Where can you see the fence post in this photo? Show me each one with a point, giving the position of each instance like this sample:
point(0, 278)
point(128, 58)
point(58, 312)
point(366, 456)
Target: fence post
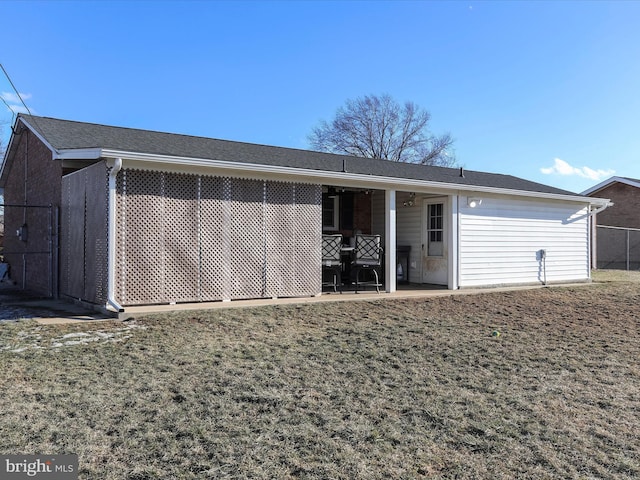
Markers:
point(628, 250)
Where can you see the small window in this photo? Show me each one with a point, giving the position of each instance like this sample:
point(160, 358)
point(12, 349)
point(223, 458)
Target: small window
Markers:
point(435, 230)
point(330, 212)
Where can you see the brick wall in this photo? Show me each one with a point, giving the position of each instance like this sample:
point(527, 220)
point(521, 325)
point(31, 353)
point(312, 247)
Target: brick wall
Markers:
point(362, 212)
point(626, 211)
point(33, 179)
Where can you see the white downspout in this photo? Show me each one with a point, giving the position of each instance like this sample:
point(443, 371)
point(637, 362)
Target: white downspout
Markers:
point(600, 208)
point(111, 266)
point(593, 238)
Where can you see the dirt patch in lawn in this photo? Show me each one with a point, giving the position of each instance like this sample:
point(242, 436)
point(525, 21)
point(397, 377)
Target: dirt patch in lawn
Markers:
point(542, 383)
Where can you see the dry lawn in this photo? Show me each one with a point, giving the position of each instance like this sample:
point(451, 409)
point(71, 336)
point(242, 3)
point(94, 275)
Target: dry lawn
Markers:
point(365, 390)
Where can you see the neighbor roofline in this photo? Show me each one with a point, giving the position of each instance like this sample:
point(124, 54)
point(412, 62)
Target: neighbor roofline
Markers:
point(147, 160)
point(9, 149)
point(609, 181)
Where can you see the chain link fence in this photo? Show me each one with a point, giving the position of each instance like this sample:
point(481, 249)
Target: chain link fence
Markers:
point(618, 248)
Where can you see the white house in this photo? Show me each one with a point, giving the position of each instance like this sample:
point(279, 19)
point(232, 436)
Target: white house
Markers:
point(142, 217)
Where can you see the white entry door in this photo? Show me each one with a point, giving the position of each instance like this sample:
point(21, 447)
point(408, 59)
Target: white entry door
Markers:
point(435, 244)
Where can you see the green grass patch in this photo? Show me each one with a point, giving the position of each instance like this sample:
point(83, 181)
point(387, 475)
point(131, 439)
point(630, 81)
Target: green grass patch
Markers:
point(401, 389)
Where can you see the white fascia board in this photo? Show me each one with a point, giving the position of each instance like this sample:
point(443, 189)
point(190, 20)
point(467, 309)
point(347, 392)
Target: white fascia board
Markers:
point(54, 152)
point(357, 180)
point(78, 154)
point(7, 152)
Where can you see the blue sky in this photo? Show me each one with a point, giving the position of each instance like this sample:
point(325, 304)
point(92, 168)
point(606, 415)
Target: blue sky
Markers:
point(547, 91)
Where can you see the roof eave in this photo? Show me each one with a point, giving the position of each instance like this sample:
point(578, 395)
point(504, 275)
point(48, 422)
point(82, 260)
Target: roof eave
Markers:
point(10, 147)
point(9, 150)
point(146, 160)
point(78, 154)
point(610, 181)
point(39, 135)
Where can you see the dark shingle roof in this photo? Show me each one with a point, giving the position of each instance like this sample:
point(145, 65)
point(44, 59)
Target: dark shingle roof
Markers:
point(65, 135)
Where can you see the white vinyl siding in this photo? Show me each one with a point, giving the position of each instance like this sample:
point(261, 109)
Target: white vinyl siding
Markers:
point(501, 240)
point(409, 232)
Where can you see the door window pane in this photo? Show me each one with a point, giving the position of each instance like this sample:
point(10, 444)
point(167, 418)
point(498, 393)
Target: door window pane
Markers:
point(435, 231)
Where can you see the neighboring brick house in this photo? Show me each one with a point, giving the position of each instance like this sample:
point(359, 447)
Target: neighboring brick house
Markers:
point(612, 244)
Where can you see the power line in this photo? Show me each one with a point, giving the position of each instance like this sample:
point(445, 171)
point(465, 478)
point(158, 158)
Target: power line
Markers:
point(13, 114)
point(4, 101)
point(15, 90)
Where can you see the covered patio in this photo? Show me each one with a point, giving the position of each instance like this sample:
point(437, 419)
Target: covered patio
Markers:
point(413, 229)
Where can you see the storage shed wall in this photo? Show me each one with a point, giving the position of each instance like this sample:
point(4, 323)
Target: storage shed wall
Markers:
point(186, 238)
point(501, 242)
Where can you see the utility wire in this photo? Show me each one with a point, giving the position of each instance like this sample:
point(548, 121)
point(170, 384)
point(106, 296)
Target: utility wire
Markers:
point(13, 114)
point(15, 90)
point(5, 102)
point(21, 101)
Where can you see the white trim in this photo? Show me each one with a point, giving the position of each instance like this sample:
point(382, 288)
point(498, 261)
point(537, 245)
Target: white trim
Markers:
point(111, 229)
point(160, 162)
point(600, 208)
point(78, 154)
point(40, 137)
point(390, 276)
point(437, 269)
point(454, 242)
point(336, 215)
point(7, 152)
point(444, 232)
point(610, 181)
point(592, 242)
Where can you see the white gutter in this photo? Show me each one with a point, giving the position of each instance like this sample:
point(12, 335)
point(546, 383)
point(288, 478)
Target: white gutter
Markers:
point(146, 161)
point(111, 262)
point(601, 207)
point(78, 154)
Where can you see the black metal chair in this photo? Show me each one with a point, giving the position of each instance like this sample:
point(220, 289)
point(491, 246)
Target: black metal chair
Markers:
point(367, 256)
point(332, 261)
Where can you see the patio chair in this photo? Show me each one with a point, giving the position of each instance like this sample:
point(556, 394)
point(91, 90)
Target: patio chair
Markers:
point(331, 260)
point(368, 257)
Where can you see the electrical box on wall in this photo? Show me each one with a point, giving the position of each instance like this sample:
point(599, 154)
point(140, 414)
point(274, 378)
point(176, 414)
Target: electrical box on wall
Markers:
point(22, 233)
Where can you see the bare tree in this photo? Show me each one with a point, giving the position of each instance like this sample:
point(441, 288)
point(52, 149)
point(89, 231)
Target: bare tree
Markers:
point(379, 127)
